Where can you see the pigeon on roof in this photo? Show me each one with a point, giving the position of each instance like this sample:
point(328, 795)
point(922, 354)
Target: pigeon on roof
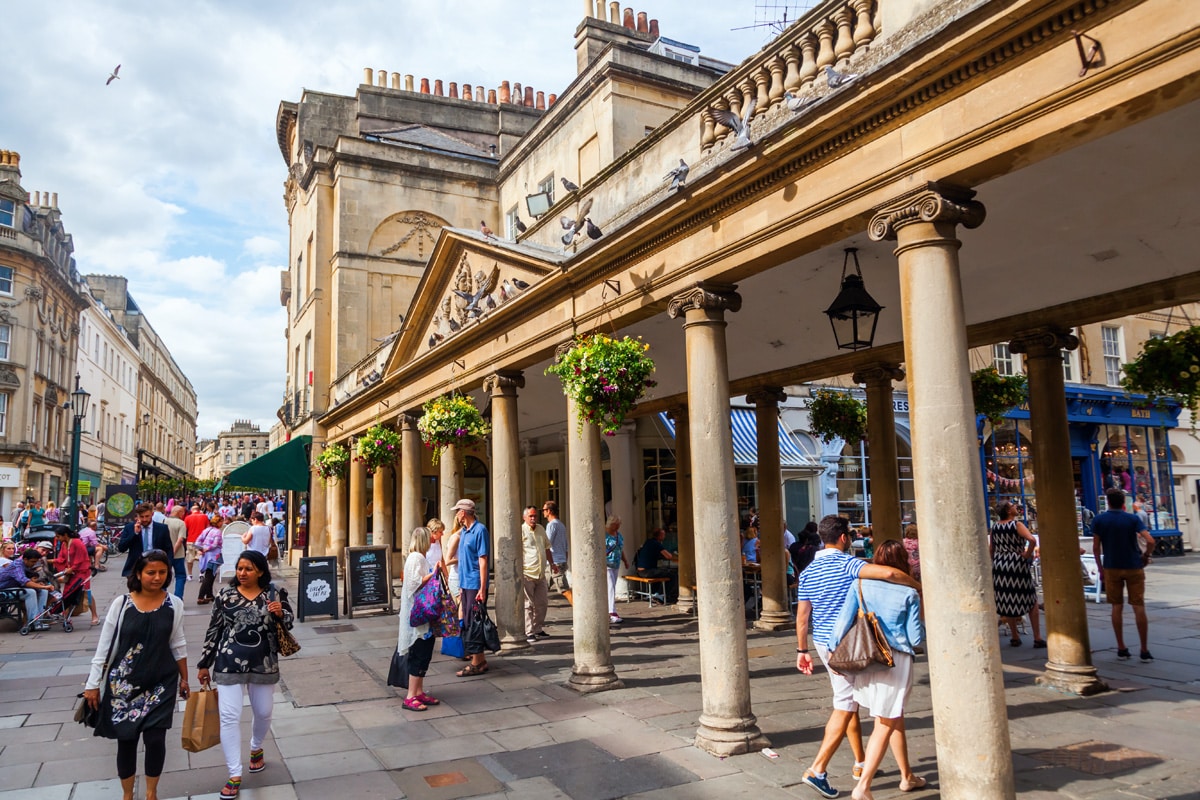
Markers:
point(486, 231)
point(520, 226)
point(570, 187)
point(740, 126)
point(677, 176)
point(836, 79)
point(593, 231)
point(795, 103)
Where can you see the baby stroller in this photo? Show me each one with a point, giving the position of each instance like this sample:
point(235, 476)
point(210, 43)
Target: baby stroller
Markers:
point(62, 605)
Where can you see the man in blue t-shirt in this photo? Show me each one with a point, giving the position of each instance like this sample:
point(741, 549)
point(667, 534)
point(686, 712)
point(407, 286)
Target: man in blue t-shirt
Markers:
point(820, 595)
point(1122, 547)
point(472, 577)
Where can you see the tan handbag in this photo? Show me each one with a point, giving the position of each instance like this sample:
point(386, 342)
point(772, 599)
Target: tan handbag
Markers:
point(863, 645)
point(201, 721)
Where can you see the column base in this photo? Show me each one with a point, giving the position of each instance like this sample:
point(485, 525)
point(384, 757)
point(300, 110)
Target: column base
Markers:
point(587, 680)
point(774, 621)
point(686, 604)
point(1076, 680)
point(509, 644)
point(729, 737)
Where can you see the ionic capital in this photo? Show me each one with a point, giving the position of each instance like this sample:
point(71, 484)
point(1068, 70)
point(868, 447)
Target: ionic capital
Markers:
point(408, 420)
point(933, 202)
point(1043, 342)
point(705, 297)
point(766, 396)
point(678, 414)
point(879, 374)
point(504, 382)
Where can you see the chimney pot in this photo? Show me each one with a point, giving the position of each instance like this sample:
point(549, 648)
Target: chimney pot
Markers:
point(551, 100)
point(480, 94)
point(408, 82)
point(541, 101)
point(627, 21)
point(589, 8)
point(368, 75)
point(466, 91)
point(504, 92)
point(642, 27)
point(518, 97)
point(395, 80)
point(424, 85)
point(654, 28)
point(454, 90)
point(437, 87)
point(54, 200)
point(529, 96)
point(491, 95)
point(381, 78)
point(614, 12)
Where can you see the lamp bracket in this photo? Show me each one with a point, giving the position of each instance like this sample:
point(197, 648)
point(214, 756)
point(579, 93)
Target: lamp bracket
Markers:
point(611, 284)
point(1094, 56)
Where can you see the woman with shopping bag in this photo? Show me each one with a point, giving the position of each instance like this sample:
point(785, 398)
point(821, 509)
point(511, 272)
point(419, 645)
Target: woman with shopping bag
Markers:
point(139, 667)
point(241, 648)
point(414, 645)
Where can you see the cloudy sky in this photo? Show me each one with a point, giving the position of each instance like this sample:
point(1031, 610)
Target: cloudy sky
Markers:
point(171, 175)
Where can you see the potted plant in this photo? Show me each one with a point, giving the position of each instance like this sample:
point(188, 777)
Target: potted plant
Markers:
point(837, 415)
point(1168, 368)
point(996, 394)
point(378, 447)
point(605, 376)
point(332, 464)
point(451, 419)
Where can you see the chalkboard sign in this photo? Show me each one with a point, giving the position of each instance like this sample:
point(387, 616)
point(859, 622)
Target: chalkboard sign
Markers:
point(318, 589)
point(368, 579)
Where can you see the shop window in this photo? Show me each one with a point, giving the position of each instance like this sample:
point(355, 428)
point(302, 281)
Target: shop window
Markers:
point(1137, 460)
point(854, 483)
point(1008, 470)
point(658, 478)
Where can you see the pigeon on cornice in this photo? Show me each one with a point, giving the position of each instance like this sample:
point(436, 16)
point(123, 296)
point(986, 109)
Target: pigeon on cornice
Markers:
point(570, 187)
point(739, 125)
point(836, 79)
point(677, 176)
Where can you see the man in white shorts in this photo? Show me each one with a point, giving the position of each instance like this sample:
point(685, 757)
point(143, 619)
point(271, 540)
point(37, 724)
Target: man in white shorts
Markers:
point(821, 593)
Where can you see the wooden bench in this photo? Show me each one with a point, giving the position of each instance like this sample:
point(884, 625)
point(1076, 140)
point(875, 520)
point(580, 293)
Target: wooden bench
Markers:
point(648, 588)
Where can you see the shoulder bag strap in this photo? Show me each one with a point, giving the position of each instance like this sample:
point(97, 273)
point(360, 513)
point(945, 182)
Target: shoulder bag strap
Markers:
point(112, 645)
point(862, 604)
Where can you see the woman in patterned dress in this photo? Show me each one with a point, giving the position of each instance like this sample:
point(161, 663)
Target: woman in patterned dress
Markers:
point(148, 666)
point(1012, 549)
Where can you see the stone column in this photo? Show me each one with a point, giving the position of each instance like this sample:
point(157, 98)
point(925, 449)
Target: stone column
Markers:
point(881, 441)
point(727, 726)
point(1069, 668)
point(593, 670)
point(450, 467)
point(318, 520)
point(335, 496)
point(620, 452)
point(776, 613)
point(508, 557)
point(358, 502)
point(411, 508)
point(383, 486)
point(973, 746)
point(683, 510)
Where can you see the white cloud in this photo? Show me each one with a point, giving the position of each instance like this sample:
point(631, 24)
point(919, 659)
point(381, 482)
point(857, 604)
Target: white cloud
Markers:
point(262, 246)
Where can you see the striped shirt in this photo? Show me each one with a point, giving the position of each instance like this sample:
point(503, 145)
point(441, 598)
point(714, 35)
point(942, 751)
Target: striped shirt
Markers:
point(824, 583)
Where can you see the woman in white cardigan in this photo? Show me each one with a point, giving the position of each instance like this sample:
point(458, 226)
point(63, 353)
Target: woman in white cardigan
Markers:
point(417, 642)
point(139, 667)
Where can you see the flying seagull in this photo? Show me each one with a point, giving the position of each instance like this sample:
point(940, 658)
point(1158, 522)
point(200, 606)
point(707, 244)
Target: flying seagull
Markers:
point(485, 230)
point(570, 187)
point(836, 79)
point(677, 176)
point(795, 103)
point(740, 126)
point(114, 76)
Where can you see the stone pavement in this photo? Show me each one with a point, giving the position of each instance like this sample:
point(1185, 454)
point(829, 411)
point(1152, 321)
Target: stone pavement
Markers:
point(518, 732)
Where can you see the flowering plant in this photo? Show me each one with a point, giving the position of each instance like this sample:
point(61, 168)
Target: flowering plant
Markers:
point(451, 419)
point(995, 394)
point(378, 447)
point(1168, 368)
point(837, 415)
point(332, 464)
point(605, 377)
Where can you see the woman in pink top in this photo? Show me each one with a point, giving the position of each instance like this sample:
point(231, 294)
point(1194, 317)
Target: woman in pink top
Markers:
point(914, 552)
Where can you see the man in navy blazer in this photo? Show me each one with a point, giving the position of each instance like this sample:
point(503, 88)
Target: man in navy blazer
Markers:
point(134, 537)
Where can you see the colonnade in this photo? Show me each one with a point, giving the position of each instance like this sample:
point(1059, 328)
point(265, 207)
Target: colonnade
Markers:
point(972, 738)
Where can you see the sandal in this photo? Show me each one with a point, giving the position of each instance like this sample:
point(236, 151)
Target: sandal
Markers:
point(413, 704)
point(1015, 641)
point(427, 700)
point(471, 669)
point(1039, 644)
point(258, 760)
point(917, 782)
point(231, 789)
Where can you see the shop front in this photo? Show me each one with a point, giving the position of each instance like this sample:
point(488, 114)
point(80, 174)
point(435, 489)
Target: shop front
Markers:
point(1118, 441)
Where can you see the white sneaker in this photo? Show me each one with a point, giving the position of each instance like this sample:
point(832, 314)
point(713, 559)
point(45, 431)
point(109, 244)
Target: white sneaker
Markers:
point(614, 619)
point(190, 578)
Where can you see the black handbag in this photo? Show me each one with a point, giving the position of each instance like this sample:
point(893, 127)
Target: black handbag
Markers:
point(85, 715)
point(398, 671)
point(863, 645)
point(481, 633)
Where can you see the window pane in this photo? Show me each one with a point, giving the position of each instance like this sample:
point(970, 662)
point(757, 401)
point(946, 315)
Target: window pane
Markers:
point(5, 338)
point(8, 211)
point(6, 280)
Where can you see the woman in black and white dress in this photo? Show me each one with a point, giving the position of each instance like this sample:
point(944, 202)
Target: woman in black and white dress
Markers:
point(1012, 549)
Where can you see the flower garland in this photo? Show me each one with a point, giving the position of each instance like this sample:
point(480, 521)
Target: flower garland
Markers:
point(996, 394)
point(1168, 368)
point(332, 464)
point(837, 415)
point(605, 377)
point(378, 447)
point(451, 419)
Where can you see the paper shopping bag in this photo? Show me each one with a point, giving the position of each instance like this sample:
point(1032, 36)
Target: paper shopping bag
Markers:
point(201, 721)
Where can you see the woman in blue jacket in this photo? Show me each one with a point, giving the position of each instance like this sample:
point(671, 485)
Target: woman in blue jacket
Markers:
point(881, 689)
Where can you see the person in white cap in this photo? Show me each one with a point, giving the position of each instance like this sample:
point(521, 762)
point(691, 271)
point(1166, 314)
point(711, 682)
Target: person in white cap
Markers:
point(472, 576)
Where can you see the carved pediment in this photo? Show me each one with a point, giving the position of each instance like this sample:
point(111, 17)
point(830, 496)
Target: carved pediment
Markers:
point(9, 379)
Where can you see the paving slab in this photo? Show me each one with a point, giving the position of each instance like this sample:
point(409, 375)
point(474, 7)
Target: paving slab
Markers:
point(446, 780)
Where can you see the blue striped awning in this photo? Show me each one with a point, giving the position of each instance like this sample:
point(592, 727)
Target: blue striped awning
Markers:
point(744, 423)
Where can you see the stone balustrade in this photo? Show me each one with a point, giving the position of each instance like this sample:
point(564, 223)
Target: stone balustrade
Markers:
point(829, 35)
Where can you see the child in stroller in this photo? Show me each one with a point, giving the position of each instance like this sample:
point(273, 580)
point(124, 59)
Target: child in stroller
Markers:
point(74, 572)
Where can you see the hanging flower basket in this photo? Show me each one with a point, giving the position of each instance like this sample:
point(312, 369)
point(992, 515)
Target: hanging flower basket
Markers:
point(451, 419)
point(605, 377)
point(378, 447)
point(332, 464)
point(995, 394)
point(837, 415)
point(1168, 368)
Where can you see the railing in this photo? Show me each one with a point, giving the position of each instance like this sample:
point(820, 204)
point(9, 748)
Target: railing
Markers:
point(7, 233)
point(827, 36)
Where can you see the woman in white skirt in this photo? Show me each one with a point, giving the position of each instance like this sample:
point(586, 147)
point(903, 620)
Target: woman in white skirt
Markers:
point(881, 689)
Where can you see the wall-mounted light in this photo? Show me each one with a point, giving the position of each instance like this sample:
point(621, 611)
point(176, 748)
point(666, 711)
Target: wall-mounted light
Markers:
point(853, 313)
point(538, 204)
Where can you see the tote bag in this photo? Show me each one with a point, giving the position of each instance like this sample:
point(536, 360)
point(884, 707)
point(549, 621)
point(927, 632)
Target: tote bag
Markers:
point(863, 645)
point(201, 721)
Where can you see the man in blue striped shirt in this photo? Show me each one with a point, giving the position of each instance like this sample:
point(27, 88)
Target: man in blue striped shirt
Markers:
point(820, 595)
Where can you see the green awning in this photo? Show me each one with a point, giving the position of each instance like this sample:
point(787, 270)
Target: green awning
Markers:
point(285, 467)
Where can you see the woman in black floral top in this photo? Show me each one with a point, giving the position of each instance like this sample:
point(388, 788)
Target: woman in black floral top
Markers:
point(241, 649)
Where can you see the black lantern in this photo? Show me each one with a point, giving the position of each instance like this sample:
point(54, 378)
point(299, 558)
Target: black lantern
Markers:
point(854, 313)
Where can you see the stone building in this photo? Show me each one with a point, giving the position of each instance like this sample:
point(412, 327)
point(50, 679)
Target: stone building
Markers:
point(207, 460)
point(241, 444)
point(41, 296)
point(984, 127)
point(166, 399)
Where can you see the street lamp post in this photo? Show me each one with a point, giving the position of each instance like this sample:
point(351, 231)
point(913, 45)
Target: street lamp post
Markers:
point(79, 405)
